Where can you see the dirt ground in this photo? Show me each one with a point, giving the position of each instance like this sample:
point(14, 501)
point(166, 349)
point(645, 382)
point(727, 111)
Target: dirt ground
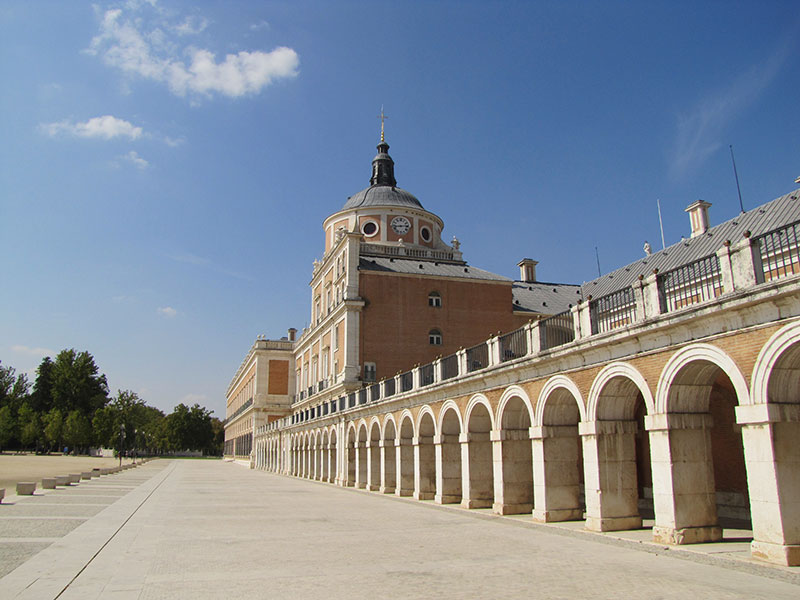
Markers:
point(30, 467)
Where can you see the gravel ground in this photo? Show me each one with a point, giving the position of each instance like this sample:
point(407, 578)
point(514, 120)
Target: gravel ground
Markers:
point(30, 467)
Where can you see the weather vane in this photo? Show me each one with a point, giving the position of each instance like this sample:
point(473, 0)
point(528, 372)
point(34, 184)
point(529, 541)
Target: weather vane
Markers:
point(382, 117)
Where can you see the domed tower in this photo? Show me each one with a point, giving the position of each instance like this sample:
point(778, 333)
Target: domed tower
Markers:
point(388, 216)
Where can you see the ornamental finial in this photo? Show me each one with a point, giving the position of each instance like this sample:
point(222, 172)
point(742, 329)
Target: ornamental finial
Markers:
point(382, 117)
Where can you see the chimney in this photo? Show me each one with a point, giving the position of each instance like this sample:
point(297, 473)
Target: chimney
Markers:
point(527, 270)
point(698, 217)
point(292, 334)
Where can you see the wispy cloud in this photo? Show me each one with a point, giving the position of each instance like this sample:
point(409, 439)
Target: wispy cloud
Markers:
point(147, 44)
point(35, 351)
point(205, 263)
point(136, 160)
point(106, 127)
point(700, 131)
point(260, 25)
point(167, 311)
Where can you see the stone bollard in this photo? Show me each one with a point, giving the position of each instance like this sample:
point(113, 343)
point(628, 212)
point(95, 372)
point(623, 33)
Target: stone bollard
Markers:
point(74, 477)
point(25, 488)
point(86, 475)
point(2, 494)
point(62, 479)
point(48, 483)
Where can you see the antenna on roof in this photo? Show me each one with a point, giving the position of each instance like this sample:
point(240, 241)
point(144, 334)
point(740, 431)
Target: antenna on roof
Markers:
point(738, 189)
point(597, 256)
point(660, 223)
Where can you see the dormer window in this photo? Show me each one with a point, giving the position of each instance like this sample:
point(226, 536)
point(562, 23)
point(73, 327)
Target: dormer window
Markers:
point(435, 300)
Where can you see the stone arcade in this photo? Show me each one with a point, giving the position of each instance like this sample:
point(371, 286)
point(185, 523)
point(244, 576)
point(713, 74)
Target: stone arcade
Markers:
point(666, 390)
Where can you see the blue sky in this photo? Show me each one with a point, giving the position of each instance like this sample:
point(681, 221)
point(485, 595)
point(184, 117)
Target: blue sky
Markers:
point(166, 166)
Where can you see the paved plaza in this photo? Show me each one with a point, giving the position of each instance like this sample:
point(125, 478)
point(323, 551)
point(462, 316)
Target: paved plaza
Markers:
point(200, 529)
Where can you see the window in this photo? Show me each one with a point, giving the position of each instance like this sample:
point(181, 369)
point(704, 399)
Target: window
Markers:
point(369, 371)
point(336, 337)
point(425, 234)
point(435, 300)
point(435, 337)
point(369, 228)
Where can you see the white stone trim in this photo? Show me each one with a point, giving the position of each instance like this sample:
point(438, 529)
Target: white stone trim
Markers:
point(473, 402)
point(611, 371)
point(697, 352)
point(426, 409)
point(449, 404)
point(770, 354)
point(554, 383)
point(514, 391)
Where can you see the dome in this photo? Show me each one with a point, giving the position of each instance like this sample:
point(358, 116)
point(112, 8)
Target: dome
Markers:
point(382, 195)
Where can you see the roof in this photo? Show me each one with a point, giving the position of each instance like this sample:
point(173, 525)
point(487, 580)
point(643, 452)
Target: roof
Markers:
point(760, 220)
point(544, 298)
point(382, 195)
point(410, 266)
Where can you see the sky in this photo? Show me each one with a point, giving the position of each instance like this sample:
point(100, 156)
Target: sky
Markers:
point(166, 166)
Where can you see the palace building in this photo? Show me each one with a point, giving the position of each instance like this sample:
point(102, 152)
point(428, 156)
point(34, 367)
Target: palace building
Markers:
point(664, 395)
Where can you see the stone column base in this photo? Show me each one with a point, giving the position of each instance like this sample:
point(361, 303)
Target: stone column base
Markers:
point(386, 489)
point(787, 555)
point(511, 509)
point(476, 503)
point(687, 535)
point(613, 523)
point(423, 495)
point(373, 488)
point(404, 492)
point(554, 516)
point(447, 499)
point(360, 485)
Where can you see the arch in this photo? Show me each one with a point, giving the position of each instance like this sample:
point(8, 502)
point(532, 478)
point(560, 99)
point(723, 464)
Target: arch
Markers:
point(475, 401)
point(425, 410)
point(554, 384)
point(406, 417)
point(388, 456)
point(698, 353)
point(406, 432)
point(782, 347)
point(389, 419)
point(449, 405)
point(610, 372)
point(514, 391)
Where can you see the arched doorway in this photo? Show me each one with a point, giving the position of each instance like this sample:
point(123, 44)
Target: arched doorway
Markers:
point(448, 448)
point(374, 457)
point(478, 480)
point(425, 459)
point(514, 486)
point(389, 458)
point(405, 457)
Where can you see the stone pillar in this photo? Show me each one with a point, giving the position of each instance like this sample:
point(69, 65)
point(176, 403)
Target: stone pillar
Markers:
point(388, 467)
point(404, 455)
point(373, 466)
point(448, 469)
point(609, 459)
point(650, 296)
point(513, 472)
point(772, 455)
point(684, 496)
point(582, 320)
point(424, 464)
point(475, 470)
point(556, 474)
point(534, 338)
point(746, 267)
point(361, 465)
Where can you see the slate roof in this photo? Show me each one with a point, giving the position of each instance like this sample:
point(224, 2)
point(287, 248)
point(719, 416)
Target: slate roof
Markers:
point(382, 195)
point(410, 266)
point(772, 215)
point(540, 297)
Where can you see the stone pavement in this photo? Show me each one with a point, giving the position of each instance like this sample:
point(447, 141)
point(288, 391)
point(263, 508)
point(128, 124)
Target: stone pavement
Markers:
point(211, 529)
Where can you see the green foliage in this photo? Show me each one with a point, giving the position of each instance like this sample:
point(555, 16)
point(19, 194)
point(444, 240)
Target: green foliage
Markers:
point(76, 384)
point(77, 430)
point(13, 388)
point(30, 426)
point(42, 397)
point(190, 428)
point(8, 425)
point(54, 428)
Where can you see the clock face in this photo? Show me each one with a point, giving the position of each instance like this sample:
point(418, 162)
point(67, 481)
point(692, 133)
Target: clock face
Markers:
point(401, 225)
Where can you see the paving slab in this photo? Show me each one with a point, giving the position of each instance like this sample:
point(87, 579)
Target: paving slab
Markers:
point(210, 529)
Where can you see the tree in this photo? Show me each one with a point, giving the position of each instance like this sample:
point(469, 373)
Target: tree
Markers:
point(13, 388)
point(30, 426)
point(42, 397)
point(77, 430)
point(54, 428)
point(190, 428)
point(76, 384)
point(8, 426)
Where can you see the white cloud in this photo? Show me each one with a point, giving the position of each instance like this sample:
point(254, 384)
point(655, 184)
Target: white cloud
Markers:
point(700, 131)
point(260, 25)
point(147, 50)
point(166, 311)
point(106, 127)
point(36, 351)
point(134, 158)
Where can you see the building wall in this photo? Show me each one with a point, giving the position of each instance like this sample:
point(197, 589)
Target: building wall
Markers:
point(397, 318)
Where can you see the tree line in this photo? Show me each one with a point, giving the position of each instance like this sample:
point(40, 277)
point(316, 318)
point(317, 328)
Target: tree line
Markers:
point(68, 406)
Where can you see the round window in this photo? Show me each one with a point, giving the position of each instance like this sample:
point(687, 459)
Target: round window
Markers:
point(369, 228)
point(425, 234)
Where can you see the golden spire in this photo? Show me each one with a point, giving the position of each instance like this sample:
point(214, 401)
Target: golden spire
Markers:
point(382, 117)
